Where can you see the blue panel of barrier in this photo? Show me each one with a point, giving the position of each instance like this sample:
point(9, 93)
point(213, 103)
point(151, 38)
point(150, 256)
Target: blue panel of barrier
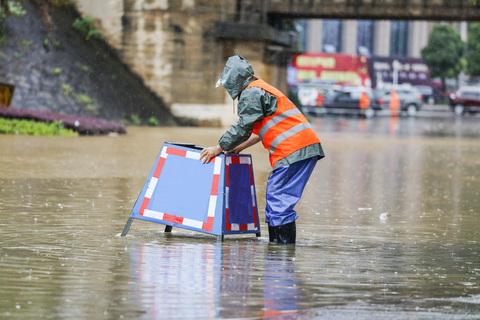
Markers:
point(216, 198)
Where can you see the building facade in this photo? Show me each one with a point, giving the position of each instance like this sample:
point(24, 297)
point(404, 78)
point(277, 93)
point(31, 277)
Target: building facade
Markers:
point(371, 37)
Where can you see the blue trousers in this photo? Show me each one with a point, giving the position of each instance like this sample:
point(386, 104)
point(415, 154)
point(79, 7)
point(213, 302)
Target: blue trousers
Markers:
point(284, 189)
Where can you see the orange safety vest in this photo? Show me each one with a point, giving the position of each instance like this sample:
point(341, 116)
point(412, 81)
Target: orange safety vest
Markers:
point(287, 130)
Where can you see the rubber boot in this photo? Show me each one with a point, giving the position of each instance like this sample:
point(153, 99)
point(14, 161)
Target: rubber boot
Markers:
point(271, 233)
point(286, 234)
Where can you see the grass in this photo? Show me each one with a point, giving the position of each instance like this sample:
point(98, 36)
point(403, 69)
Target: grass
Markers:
point(31, 127)
point(67, 89)
point(87, 102)
point(57, 71)
point(86, 26)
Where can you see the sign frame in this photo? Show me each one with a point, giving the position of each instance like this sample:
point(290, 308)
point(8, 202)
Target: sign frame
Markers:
point(216, 198)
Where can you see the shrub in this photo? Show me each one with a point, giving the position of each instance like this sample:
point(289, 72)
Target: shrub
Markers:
point(83, 67)
point(153, 121)
point(87, 27)
point(81, 98)
point(15, 8)
point(86, 102)
point(57, 71)
point(135, 119)
point(31, 127)
point(82, 125)
point(67, 89)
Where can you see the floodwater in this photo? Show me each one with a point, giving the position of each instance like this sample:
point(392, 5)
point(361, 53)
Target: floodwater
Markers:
point(388, 229)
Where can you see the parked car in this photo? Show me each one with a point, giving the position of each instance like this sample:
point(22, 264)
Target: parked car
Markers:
point(312, 94)
point(346, 99)
point(411, 100)
point(465, 99)
point(429, 95)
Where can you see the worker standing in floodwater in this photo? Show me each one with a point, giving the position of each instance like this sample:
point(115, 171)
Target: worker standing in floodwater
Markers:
point(267, 115)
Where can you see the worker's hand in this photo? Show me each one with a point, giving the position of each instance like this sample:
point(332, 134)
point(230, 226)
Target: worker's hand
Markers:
point(208, 153)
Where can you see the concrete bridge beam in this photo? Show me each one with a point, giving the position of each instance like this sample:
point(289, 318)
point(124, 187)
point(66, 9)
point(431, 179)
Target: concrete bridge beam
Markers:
point(439, 10)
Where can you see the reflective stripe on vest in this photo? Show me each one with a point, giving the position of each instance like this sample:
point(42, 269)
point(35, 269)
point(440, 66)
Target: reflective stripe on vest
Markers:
point(287, 134)
point(277, 119)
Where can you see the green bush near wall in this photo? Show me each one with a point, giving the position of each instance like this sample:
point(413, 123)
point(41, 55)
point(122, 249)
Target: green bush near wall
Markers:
point(30, 127)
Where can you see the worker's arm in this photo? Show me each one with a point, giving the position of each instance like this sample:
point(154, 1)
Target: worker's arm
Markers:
point(254, 139)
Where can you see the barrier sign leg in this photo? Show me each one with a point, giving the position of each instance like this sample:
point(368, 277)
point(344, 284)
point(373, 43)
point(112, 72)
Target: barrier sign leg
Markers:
point(127, 227)
point(216, 198)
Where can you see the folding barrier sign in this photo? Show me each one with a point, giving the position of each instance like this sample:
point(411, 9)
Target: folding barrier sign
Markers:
point(216, 197)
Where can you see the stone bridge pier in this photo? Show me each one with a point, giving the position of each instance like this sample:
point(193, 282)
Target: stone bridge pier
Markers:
point(179, 48)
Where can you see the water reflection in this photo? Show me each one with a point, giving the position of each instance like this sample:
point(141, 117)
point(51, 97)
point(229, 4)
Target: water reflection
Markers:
point(177, 275)
point(282, 293)
point(234, 279)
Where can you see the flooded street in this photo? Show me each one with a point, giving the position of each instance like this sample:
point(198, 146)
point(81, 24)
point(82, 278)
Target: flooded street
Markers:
point(388, 229)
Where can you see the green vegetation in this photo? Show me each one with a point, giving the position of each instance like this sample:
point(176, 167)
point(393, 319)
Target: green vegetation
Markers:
point(83, 67)
point(7, 9)
point(135, 120)
point(27, 43)
point(57, 71)
point(152, 121)
point(86, 26)
point(48, 43)
point(81, 98)
point(30, 127)
point(473, 50)
point(443, 53)
point(15, 8)
point(86, 102)
point(67, 89)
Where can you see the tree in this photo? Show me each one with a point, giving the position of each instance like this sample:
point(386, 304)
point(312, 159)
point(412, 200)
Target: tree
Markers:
point(443, 53)
point(473, 50)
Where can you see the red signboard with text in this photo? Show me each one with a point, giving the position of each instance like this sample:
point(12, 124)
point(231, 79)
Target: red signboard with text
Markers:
point(339, 68)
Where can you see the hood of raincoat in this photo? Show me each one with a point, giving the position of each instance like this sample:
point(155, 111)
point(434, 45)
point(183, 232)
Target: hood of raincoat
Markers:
point(236, 75)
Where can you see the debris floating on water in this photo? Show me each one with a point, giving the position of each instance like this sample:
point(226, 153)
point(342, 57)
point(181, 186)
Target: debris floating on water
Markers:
point(384, 216)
